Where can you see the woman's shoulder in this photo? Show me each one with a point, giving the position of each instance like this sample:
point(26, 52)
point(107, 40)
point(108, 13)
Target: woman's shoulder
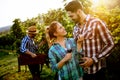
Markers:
point(53, 46)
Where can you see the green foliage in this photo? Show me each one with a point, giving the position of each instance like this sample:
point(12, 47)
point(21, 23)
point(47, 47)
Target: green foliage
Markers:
point(16, 30)
point(3, 53)
point(114, 23)
point(9, 70)
point(6, 40)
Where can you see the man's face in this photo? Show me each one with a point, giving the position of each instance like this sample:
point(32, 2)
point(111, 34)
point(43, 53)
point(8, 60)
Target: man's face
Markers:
point(32, 35)
point(74, 16)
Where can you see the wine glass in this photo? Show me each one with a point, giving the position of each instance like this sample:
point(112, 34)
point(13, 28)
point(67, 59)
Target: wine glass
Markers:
point(69, 50)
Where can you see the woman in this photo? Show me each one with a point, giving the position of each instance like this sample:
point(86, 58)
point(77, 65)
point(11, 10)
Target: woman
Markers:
point(63, 54)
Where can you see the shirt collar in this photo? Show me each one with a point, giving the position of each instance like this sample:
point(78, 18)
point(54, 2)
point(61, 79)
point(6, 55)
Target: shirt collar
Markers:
point(29, 37)
point(86, 19)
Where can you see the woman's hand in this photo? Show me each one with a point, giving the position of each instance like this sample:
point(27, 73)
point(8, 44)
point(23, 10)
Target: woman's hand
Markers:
point(67, 57)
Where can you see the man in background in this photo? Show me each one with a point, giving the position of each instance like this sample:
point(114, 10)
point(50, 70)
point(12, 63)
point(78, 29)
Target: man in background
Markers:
point(29, 47)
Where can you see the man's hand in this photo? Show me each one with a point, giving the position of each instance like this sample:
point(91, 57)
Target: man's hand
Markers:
point(33, 55)
point(80, 38)
point(88, 62)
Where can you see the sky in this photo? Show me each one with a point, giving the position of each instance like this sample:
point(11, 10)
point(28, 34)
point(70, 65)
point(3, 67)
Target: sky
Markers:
point(25, 9)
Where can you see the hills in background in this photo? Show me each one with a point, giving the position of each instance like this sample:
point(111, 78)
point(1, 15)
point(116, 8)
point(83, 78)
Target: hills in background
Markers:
point(5, 28)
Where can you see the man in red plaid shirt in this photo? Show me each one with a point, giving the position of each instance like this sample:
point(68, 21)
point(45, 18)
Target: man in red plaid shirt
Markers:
point(96, 40)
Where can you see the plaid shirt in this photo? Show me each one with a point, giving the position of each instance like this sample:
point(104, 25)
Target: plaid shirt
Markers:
point(71, 69)
point(28, 44)
point(97, 42)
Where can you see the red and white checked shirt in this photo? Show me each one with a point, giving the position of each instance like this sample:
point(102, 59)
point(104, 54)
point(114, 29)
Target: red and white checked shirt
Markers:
point(97, 42)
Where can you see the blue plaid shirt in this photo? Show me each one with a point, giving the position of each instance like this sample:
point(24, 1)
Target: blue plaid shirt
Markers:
point(28, 44)
point(71, 70)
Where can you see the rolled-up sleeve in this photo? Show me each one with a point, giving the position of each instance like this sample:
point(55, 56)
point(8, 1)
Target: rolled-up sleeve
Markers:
point(23, 48)
point(53, 61)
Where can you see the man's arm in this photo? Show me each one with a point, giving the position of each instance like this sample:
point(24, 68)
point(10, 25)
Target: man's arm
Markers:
point(24, 50)
point(106, 38)
point(30, 53)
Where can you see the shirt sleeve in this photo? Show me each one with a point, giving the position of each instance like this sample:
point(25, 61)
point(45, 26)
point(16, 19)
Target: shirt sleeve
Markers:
point(53, 60)
point(23, 48)
point(106, 39)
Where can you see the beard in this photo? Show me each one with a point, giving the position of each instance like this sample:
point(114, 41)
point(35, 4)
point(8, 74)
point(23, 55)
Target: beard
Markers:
point(33, 35)
point(77, 20)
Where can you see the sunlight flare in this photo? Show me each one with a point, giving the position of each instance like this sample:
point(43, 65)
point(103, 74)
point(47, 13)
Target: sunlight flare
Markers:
point(95, 2)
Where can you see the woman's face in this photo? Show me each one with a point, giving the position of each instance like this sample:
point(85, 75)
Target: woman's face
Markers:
point(60, 31)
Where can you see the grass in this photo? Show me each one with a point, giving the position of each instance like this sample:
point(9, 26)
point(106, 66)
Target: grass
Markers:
point(9, 70)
